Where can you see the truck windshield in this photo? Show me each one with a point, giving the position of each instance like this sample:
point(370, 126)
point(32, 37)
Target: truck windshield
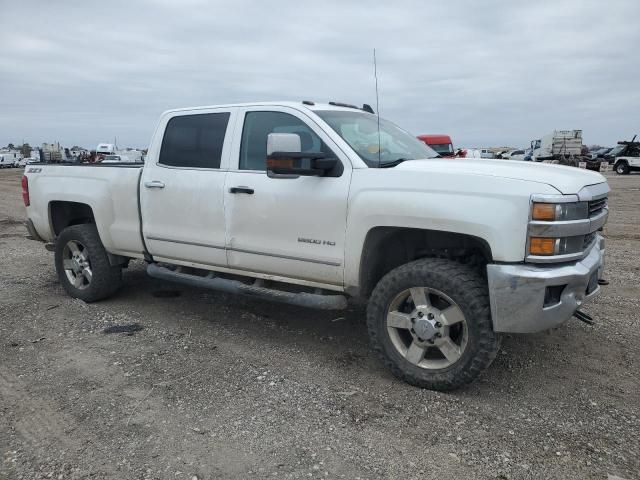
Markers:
point(360, 131)
point(442, 148)
point(617, 150)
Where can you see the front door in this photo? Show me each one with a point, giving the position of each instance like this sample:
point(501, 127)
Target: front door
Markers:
point(182, 192)
point(290, 227)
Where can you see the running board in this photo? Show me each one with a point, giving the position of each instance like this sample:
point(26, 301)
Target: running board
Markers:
point(311, 300)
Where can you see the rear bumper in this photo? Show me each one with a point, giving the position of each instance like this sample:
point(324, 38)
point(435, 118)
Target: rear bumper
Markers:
point(522, 302)
point(33, 233)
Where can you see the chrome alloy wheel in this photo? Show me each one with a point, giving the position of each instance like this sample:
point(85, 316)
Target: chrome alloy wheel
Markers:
point(427, 328)
point(76, 264)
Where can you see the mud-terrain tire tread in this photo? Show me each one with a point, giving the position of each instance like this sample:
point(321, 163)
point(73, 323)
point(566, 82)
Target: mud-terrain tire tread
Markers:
point(106, 279)
point(468, 289)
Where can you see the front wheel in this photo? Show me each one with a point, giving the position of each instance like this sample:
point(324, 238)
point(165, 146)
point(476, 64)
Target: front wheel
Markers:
point(83, 265)
point(430, 321)
point(622, 168)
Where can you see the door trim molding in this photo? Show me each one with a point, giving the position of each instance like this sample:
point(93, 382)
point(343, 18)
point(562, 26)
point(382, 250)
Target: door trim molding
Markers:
point(183, 242)
point(251, 252)
point(286, 257)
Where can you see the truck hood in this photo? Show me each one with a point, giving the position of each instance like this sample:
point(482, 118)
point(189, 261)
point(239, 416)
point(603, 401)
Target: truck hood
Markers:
point(567, 180)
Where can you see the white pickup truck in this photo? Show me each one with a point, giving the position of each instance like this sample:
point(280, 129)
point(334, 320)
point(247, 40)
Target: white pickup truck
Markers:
point(310, 203)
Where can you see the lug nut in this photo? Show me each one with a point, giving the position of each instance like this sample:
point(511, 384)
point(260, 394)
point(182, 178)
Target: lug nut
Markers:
point(420, 314)
point(413, 320)
point(413, 331)
point(430, 341)
point(430, 316)
point(437, 335)
point(438, 324)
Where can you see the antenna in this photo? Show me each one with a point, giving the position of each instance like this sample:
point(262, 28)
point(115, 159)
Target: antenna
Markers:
point(375, 75)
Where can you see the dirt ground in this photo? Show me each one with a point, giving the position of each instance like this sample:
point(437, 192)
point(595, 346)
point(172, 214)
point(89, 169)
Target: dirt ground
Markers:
point(219, 386)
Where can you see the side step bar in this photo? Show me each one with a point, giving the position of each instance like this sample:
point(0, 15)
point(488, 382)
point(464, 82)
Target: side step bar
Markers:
point(311, 300)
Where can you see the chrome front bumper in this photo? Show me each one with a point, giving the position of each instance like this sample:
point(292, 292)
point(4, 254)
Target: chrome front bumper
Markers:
point(521, 301)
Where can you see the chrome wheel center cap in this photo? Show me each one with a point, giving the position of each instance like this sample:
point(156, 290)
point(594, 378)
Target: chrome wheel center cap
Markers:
point(425, 329)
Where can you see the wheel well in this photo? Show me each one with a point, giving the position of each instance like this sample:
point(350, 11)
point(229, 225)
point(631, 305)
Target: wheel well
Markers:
point(65, 214)
point(386, 248)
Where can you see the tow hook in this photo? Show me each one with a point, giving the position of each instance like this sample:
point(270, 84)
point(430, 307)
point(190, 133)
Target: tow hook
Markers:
point(583, 317)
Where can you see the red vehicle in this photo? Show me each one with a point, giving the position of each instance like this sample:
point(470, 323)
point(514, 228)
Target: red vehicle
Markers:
point(441, 144)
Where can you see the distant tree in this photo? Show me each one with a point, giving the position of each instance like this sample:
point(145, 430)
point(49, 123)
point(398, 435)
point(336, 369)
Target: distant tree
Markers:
point(25, 150)
point(10, 146)
point(76, 147)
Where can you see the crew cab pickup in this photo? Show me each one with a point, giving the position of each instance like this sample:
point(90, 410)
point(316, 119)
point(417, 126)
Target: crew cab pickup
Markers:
point(311, 203)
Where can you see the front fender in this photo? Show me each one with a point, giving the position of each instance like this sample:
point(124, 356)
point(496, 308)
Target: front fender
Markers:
point(493, 209)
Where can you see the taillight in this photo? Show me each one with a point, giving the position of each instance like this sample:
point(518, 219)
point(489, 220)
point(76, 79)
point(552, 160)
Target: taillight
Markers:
point(25, 191)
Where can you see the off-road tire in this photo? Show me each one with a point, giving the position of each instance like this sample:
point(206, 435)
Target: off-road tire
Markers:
point(463, 285)
point(622, 168)
point(106, 279)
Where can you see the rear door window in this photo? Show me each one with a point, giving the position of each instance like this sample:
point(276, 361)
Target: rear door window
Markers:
point(194, 141)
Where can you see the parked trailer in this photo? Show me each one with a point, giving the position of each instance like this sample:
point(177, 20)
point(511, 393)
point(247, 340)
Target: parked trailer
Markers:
point(563, 145)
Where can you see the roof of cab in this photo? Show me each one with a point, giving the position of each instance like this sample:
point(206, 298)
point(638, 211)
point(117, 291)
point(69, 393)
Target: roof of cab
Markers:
point(297, 105)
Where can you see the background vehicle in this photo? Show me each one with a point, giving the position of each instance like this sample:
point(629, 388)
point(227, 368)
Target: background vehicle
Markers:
point(440, 143)
point(626, 157)
point(625, 165)
point(9, 160)
point(113, 159)
point(310, 203)
point(25, 161)
point(600, 153)
point(487, 153)
point(562, 145)
point(514, 155)
point(105, 149)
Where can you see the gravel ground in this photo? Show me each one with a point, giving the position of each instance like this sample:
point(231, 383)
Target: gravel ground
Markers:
point(219, 386)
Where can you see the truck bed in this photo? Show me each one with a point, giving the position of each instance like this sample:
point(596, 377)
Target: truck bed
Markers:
point(110, 190)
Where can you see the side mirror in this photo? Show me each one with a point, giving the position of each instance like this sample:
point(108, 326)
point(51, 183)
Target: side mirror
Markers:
point(286, 160)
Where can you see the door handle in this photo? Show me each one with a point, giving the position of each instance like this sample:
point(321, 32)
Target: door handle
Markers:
point(247, 190)
point(154, 184)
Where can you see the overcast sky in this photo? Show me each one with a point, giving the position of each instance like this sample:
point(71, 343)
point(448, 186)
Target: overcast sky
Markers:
point(486, 72)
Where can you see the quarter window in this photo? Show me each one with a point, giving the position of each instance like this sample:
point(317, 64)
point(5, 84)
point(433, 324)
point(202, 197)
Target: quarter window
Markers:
point(194, 141)
point(257, 125)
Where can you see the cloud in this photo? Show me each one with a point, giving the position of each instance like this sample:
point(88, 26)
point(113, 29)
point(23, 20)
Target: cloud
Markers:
point(488, 73)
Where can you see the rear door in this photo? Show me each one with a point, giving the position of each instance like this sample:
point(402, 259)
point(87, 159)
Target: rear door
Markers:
point(182, 193)
point(288, 227)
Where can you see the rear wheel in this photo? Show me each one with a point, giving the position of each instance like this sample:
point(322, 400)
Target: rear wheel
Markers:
point(83, 265)
point(430, 321)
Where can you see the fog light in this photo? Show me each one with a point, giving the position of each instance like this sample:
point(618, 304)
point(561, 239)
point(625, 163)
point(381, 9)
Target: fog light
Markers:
point(552, 295)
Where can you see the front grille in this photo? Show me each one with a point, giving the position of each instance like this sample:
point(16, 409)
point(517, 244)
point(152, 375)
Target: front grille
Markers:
point(588, 240)
point(596, 206)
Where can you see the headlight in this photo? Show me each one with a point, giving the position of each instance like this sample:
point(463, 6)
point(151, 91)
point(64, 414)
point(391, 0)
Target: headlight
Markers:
point(552, 212)
point(563, 228)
